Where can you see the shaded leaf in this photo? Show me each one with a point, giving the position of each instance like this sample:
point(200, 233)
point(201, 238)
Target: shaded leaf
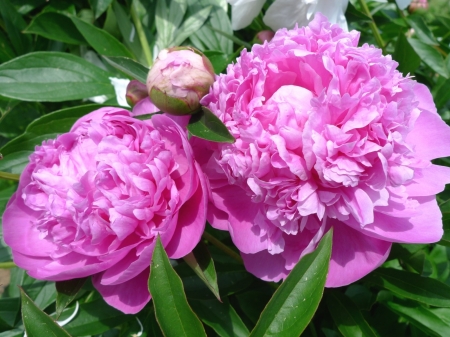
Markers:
point(347, 316)
point(36, 322)
point(14, 25)
point(9, 310)
point(404, 54)
point(172, 310)
point(221, 317)
point(202, 264)
point(99, 6)
point(421, 29)
point(96, 317)
point(55, 26)
point(294, 303)
point(422, 318)
point(413, 286)
point(206, 125)
point(190, 26)
point(66, 293)
point(218, 59)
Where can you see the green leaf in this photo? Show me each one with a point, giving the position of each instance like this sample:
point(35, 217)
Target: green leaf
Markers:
point(14, 25)
point(173, 313)
point(253, 301)
point(66, 293)
point(96, 317)
point(422, 318)
point(430, 56)
point(99, 6)
point(12, 333)
point(405, 55)
point(347, 316)
point(206, 125)
point(190, 26)
point(9, 310)
point(294, 303)
point(16, 152)
point(128, 32)
point(14, 122)
point(441, 94)
point(445, 240)
point(129, 67)
point(218, 59)
point(421, 29)
point(55, 26)
point(221, 317)
point(413, 286)
point(203, 265)
point(53, 77)
point(177, 9)
point(36, 322)
point(163, 25)
point(102, 42)
point(6, 51)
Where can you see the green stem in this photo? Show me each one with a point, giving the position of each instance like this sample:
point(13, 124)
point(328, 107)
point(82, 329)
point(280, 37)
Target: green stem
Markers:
point(372, 25)
point(7, 265)
point(141, 33)
point(9, 176)
point(227, 250)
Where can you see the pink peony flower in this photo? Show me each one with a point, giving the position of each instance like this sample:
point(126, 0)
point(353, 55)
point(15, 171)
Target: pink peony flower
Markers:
point(328, 134)
point(92, 202)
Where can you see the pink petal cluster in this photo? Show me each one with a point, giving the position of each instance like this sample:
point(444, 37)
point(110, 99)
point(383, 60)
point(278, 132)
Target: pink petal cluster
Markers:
point(93, 201)
point(328, 134)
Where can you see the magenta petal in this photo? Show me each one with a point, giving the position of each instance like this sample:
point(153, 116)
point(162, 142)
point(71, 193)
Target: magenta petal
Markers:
point(19, 232)
point(242, 213)
point(191, 223)
point(432, 182)
point(129, 297)
point(266, 266)
point(423, 228)
point(143, 107)
point(430, 136)
point(354, 255)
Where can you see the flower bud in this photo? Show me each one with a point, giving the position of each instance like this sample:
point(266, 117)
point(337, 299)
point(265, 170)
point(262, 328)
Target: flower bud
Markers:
point(418, 4)
point(265, 35)
point(180, 77)
point(136, 91)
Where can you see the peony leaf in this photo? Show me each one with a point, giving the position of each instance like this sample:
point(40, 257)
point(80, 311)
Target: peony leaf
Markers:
point(100, 40)
point(129, 67)
point(429, 56)
point(66, 293)
point(422, 318)
point(94, 318)
point(36, 322)
point(294, 303)
point(16, 152)
point(221, 317)
point(9, 309)
point(206, 125)
point(190, 26)
point(172, 310)
point(404, 54)
point(421, 29)
point(203, 265)
point(445, 240)
point(13, 24)
point(99, 6)
point(413, 286)
point(55, 26)
point(52, 77)
point(218, 59)
point(347, 316)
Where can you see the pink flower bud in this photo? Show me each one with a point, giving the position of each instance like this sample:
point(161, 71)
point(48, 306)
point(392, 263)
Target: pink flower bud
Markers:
point(418, 4)
point(136, 91)
point(265, 35)
point(180, 77)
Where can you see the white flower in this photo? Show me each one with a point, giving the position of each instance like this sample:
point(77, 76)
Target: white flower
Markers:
point(120, 87)
point(287, 13)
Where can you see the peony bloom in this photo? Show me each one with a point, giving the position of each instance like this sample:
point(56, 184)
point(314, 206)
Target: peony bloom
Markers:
point(328, 134)
point(287, 13)
point(180, 77)
point(92, 202)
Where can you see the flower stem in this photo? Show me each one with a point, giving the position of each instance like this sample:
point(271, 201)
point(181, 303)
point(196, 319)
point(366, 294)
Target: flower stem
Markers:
point(142, 37)
point(9, 176)
point(7, 265)
point(227, 250)
point(372, 25)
